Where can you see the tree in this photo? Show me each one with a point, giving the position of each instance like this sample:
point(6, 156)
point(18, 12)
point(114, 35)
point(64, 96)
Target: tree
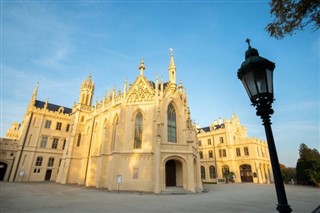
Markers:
point(307, 154)
point(288, 174)
point(308, 166)
point(293, 15)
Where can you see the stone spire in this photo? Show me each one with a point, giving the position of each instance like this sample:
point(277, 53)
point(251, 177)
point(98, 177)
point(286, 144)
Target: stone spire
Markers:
point(172, 68)
point(34, 94)
point(34, 97)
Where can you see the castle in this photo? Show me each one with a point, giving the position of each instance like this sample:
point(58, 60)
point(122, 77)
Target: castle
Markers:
point(140, 139)
point(226, 152)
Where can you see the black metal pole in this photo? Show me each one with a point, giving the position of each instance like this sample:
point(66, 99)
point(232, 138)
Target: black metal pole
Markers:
point(264, 110)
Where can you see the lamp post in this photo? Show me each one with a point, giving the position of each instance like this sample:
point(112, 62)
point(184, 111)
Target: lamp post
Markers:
point(256, 74)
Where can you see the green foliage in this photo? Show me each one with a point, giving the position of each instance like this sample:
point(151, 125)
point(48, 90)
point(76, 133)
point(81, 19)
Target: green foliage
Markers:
point(314, 173)
point(293, 15)
point(307, 154)
point(308, 166)
point(302, 176)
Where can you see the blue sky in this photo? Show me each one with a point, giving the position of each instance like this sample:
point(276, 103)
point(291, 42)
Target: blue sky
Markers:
point(58, 43)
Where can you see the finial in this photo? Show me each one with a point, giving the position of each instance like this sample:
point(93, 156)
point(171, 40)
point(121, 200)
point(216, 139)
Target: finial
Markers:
point(171, 51)
point(248, 41)
point(142, 67)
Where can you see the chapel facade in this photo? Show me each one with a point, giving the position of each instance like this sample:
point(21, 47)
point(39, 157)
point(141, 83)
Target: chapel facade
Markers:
point(140, 139)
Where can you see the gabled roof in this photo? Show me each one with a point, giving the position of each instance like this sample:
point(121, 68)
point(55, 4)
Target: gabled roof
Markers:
point(52, 107)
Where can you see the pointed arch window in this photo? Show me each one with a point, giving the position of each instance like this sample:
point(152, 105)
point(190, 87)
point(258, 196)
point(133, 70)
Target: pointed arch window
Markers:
point(138, 131)
point(114, 132)
point(172, 125)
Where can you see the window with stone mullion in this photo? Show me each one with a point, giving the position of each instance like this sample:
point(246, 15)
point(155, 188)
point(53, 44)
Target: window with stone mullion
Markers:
point(138, 131)
point(171, 119)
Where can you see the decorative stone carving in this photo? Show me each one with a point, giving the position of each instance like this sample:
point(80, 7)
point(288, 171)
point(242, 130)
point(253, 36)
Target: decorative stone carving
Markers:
point(140, 93)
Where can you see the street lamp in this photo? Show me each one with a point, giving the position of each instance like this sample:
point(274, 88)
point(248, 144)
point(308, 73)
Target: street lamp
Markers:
point(256, 74)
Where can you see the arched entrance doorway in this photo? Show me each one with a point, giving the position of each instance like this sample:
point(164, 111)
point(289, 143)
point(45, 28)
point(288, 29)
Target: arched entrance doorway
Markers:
point(174, 176)
point(3, 169)
point(246, 173)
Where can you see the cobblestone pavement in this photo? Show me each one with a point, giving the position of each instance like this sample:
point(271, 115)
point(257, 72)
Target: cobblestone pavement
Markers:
point(52, 197)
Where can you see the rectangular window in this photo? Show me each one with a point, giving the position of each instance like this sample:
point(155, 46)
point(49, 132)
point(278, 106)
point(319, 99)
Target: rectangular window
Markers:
point(221, 139)
point(79, 140)
point(39, 161)
point(64, 144)
point(47, 124)
point(224, 153)
point(199, 143)
point(58, 127)
point(209, 141)
point(238, 152)
point(246, 151)
point(51, 162)
point(55, 143)
point(220, 153)
point(43, 143)
point(210, 154)
point(36, 171)
point(68, 127)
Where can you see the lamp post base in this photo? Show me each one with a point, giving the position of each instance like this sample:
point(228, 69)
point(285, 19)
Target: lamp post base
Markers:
point(284, 208)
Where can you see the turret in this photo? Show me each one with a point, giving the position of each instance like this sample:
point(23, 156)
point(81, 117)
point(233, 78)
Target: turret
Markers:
point(86, 92)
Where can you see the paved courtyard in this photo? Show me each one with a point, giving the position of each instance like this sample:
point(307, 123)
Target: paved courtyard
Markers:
point(52, 197)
